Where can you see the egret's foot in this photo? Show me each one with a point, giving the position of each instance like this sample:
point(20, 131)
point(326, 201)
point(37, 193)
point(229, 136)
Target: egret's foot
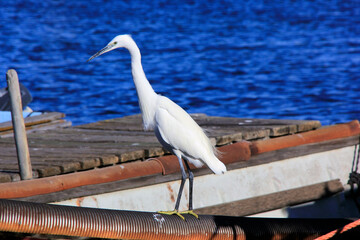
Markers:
point(174, 212)
point(191, 212)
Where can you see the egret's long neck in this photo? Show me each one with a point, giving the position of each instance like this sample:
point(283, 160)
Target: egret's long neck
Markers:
point(146, 94)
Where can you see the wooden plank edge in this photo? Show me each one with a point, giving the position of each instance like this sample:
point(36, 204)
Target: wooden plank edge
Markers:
point(34, 120)
point(61, 123)
point(276, 200)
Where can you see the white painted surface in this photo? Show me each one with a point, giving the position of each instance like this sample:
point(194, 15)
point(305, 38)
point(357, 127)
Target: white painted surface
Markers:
point(234, 185)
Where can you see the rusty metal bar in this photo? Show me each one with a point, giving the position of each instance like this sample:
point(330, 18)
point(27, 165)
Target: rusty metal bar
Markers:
point(62, 182)
point(19, 125)
point(323, 134)
point(36, 218)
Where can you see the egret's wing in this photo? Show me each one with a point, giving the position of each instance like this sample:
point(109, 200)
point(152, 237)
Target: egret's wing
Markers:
point(180, 131)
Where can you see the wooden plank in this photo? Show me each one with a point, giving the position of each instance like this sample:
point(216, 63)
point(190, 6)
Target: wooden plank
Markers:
point(275, 200)
point(91, 145)
point(4, 177)
point(63, 153)
point(155, 152)
point(277, 131)
point(289, 126)
point(49, 169)
point(89, 132)
point(93, 138)
point(247, 133)
point(228, 138)
point(35, 128)
point(65, 167)
point(221, 121)
point(69, 162)
point(15, 176)
point(43, 144)
point(228, 135)
point(45, 117)
point(308, 125)
point(59, 152)
point(50, 166)
point(275, 127)
point(129, 123)
point(112, 126)
point(43, 171)
point(123, 154)
point(34, 120)
point(107, 154)
point(45, 167)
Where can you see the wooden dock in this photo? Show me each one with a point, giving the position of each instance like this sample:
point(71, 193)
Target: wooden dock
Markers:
point(115, 164)
point(115, 141)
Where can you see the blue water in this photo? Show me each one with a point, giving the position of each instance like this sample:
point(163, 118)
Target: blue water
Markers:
point(254, 59)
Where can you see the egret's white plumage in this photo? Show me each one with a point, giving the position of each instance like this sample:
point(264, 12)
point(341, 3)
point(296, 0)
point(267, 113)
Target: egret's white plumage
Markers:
point(178, 131)
point(173, 126)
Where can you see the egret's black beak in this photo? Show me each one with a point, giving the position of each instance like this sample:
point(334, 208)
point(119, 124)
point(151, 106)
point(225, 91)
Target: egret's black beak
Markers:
point(102, 51)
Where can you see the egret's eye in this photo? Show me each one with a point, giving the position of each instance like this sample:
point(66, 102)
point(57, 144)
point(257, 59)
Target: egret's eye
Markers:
point(115, 43)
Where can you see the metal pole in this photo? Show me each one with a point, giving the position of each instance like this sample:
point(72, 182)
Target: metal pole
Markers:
point(19, 125)
point(36, 218)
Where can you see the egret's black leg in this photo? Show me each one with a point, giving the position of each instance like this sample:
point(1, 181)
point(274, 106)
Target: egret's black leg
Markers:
point(191, 184)
point(183, 179)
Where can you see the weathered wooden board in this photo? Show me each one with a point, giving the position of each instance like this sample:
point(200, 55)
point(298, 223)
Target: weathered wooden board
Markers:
point(56, 124)
point(34, 120)
point(45, 121)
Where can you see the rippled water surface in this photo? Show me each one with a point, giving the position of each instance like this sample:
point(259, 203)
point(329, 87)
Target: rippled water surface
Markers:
point(253, 59)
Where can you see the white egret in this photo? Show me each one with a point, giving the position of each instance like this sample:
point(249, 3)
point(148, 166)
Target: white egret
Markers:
point(173, 126)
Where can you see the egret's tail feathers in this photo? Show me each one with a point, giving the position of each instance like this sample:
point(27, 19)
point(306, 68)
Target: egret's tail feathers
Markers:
point(217, 166)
